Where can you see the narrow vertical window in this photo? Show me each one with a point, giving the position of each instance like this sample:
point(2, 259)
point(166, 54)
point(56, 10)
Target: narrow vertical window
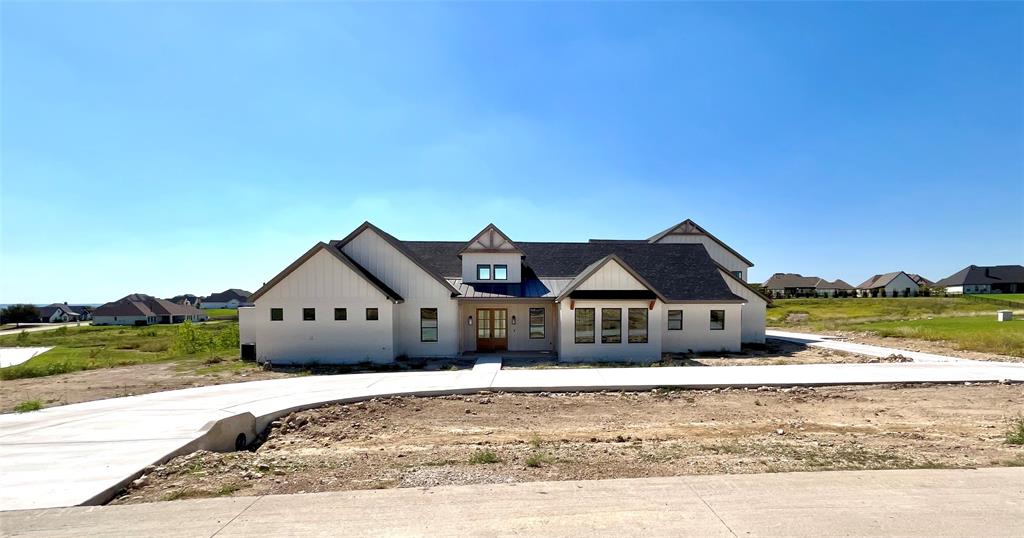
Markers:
point(483, 272)
point(718, 320)
point(584, 325)
point(308, 314)
point(340, 314)
point(500, 272)
point(675, 320)
point(371, 314)
point(611, 325)
point(536, 323)
point(428, 325)
point(276, 314)
point(637, 325)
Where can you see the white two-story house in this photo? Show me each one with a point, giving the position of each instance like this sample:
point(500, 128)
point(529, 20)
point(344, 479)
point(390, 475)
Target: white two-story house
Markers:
point(373, 297)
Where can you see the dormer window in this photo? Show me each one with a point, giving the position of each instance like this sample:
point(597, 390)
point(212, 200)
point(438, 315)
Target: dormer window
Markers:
point(483, 272)
point(501, 272)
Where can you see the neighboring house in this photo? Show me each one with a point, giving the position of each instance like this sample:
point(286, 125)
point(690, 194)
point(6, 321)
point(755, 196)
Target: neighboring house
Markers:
point(895, 284)
point(57, 313)
point(782, 285)
point(985, 279)
point(373, 297)
point(84, 312)
point(232, 298)
point(187, 299)
point(141, 309)
point(921, 281)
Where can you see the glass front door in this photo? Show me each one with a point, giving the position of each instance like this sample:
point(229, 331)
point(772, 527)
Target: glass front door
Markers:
point(491, 329)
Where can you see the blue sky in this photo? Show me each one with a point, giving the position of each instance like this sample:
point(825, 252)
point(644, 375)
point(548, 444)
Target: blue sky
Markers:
point(191, 147)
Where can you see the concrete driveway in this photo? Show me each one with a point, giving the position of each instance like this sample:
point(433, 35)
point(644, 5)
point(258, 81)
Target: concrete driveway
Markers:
point(85, 453)
point(9, 356)
point(917, 503)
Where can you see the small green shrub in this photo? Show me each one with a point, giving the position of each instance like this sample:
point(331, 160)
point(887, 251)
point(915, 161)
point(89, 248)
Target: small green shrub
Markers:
point(189, 340)
point(23, 337)
point(537, 459)
point(535, 441)
point(1015, 436)
point(28, 405)
point(483, 457)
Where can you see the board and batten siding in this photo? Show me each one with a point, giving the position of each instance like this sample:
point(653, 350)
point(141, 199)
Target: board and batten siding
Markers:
point(513, 260)
point(324, 283)
point(611, 276)
point(697, 335)
point(419, 290)
point(717, 252)
point(752, 314)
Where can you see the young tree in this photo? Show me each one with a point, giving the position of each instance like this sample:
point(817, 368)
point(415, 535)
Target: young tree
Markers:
point(19, 313)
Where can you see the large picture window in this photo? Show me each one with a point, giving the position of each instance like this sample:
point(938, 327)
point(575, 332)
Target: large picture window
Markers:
point(718, 320)
point(483, 272)
point(611, 325)
point(675, 320)
point(637, 325)
point(584, 325)
point(537, 323)
point(500, 272)
point(428, 325)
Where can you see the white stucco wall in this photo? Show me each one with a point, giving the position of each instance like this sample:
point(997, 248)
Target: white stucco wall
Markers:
point(513, 260)
point(697, 334)
point(418, 288)
point(717, 252)
point(752, 314)
point(324, 283)
point(120, 320)
point(570, 351)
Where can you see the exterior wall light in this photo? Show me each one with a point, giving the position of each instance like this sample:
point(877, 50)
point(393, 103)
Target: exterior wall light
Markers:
point(470, 321)
point(513, 320)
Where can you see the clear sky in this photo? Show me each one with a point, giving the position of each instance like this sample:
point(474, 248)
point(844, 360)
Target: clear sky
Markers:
point(192, 147)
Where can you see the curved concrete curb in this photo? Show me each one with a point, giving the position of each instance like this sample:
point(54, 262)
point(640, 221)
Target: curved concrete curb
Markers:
point(85, 453)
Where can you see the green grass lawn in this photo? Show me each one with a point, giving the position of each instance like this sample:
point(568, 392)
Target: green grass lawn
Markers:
point(222, 313)
point(977, 333)
point(86, 348)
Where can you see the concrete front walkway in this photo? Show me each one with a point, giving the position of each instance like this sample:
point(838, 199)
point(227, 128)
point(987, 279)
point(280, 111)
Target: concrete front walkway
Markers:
point(924, 503)
point(85, 453)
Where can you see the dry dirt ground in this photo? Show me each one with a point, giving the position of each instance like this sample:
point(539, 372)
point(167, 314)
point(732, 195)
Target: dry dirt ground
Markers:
point(506, 437)
point(924, 346)
point(103, 383)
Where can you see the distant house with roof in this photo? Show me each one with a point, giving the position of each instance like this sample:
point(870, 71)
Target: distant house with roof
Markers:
point(894, 284)
point(985, 279)
point(142, 309)
point(232, 298)
point(186, 299)
point(58, 313)
point(922, 282)
point(782, 285)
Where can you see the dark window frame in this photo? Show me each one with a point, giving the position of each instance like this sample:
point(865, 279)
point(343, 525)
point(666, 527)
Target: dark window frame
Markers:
point(593, 325)
point(278, 311)
point(376, 314)
point(618, 335)
point(542, 326)
point(647, 325)
point(422, 326)
point(711, 320)
point(670, 320)
point(309, 314)
point(494, 271)
point(480, 266)
point(343, 312)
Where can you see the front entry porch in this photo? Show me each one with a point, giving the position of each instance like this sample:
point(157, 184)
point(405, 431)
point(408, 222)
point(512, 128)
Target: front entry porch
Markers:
point(507, 327)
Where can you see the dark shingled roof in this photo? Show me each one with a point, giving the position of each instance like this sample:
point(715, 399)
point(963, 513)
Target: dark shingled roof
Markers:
point(140, 304)
point(679, 271)
point(227, 295)
point(993, 274)
point(780, 281)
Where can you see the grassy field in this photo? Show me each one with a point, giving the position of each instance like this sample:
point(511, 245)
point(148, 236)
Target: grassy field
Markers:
point(86, 348)
point(222, 313)
point(976, 333)
point(965, 323)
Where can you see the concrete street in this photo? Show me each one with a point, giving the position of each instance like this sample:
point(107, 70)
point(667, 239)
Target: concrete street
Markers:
point(9, 356)
point(37, 327)
point(85, 453)
point(925, 503)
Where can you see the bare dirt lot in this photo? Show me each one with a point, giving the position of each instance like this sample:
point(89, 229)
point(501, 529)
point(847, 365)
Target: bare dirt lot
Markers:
point(503, 437)
point(924, 346)
point(88, 385)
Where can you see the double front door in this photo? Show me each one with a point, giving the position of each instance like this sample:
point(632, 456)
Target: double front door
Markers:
point(491, 329)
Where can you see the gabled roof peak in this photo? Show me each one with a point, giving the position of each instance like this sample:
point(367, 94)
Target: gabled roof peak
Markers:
point(490, 239)
point(688, 227)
